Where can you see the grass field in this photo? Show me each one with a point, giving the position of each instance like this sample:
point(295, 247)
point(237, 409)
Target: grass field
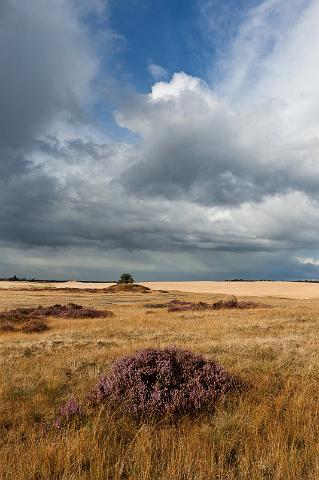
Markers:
point(269, 431)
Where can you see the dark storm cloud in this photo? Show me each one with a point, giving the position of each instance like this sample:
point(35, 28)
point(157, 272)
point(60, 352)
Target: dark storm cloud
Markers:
point(27, 202)
point(46, 65)
point(203, 184)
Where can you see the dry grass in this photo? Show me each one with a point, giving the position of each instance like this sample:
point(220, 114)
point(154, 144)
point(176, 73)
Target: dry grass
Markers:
point(268, 432)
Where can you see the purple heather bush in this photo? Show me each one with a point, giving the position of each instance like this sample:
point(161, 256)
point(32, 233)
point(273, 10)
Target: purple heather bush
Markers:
point(168, 381)
point(69, 410)
point(71, 310)
point(228, 303)
point(33, 319)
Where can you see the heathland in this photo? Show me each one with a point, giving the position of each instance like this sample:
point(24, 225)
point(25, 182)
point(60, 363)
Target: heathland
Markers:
point(302, 290)
point(266, 431)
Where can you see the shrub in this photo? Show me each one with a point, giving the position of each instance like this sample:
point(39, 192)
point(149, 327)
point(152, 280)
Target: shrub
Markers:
point(34, 326)
point(128, 287)
point(6, 327)
point(69, 410)
point(179, 306)
point(126, 278)
point(33, 319)
point(155, 305)
point(71, 310)
point(228, 303)
point(168, 381)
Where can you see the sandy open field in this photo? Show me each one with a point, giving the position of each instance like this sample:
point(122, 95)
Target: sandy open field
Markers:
point(253, 289)
point(269, 431)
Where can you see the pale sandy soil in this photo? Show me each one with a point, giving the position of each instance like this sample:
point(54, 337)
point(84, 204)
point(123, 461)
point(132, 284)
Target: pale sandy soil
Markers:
point(38, 285)
point(255, 289)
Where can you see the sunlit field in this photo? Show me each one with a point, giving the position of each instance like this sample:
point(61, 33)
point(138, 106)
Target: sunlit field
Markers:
point(267, 431)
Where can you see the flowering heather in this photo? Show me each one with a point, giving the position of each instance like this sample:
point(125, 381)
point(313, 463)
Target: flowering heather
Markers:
point(33, 319)
point(168, 381)
point(229, 303)
point(69, 410)
point(71, 310)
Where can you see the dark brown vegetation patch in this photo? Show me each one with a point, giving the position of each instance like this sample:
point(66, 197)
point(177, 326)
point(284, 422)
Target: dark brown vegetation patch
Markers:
point(155, 305)
point(128, 287)
point(6, 326)
point(228, 303)
point(35, 326)
point(33, 319)
point(71, 310)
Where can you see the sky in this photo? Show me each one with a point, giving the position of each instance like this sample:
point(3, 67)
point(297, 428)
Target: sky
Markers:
point(176, 140)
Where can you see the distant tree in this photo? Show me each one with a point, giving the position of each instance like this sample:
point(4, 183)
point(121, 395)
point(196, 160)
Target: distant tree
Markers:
point(126, 278)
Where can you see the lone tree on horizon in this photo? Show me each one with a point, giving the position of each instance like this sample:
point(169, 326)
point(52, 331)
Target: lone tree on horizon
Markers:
point(126, 278)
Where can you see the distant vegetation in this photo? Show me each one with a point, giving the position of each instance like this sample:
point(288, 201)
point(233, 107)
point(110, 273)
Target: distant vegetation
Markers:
point(224, 304)
point(126, 278)
point(127, 287)
point(33, 319)
point(228, 303)
point(14, 278)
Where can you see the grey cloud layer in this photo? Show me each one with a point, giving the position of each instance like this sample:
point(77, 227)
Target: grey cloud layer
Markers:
point(196, 147)
point(46, 66)
point(206, 183)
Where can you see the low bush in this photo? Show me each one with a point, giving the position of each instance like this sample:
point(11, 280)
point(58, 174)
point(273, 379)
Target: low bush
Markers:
point(71, 310)
point(228, 303)
point(128, 287)
point(155, 305)
point(33, 319)
point(69, 410)
point(169, 381)
point(33, 326)
point(6, 327)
